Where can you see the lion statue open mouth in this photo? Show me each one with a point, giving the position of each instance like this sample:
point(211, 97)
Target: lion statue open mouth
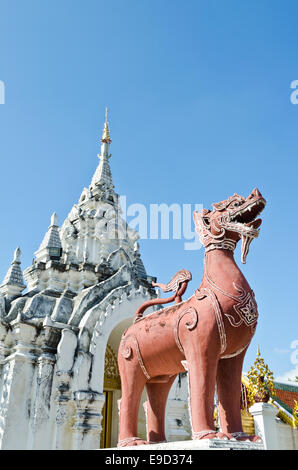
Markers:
point(237, 215)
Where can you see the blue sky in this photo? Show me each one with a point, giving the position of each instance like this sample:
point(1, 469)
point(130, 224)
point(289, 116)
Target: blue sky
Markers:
point(199, 99)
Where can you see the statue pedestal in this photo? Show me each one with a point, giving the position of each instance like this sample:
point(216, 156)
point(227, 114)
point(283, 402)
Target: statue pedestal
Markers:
point(203, 444)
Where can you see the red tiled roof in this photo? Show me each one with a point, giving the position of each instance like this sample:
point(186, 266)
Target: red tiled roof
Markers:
point(285, 394)
point(287, 397)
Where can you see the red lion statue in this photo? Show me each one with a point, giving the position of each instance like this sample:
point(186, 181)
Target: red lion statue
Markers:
point(207, 334)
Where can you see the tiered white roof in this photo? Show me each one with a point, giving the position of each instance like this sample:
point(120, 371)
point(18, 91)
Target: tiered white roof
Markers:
point(51, 244)
point(13, 282)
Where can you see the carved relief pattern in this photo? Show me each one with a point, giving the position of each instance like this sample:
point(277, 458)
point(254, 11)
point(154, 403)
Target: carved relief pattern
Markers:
point(111, 366)
point(174, 284)
point(7, 380)
point(190, 325)
point(126, 352)
point(218, 316)
point(245, 306)
point(247, 310)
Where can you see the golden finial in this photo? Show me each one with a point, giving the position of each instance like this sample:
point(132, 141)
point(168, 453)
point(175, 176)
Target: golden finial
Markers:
point(106, 132)
point(261, 381)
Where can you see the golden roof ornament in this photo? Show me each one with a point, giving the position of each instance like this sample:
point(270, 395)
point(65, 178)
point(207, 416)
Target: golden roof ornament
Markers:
point(261, 384)
point(106, 132)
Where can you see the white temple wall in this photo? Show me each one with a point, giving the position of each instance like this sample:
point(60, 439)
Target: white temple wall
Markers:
point(285, 436)
point(295, 439)
point(177, 420)
point(16, 397)
point(276, 435)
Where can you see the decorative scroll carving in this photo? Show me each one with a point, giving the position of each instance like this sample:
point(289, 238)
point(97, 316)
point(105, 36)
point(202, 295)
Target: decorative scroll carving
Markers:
point(190, 325)
point(126, 352)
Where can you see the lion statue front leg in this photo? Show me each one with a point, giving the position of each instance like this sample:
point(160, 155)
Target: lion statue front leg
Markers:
point(202, 352)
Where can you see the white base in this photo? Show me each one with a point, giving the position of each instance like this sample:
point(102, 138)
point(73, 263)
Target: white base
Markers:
point(203, 444)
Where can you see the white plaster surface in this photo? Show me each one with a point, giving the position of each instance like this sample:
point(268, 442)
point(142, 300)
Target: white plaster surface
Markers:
point(275, 434)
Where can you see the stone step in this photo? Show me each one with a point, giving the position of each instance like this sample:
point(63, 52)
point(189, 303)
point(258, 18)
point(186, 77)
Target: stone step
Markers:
point(203, 444)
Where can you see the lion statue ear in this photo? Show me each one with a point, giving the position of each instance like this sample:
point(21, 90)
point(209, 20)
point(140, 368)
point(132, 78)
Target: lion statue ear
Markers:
point(219, 206)
point(222, 205)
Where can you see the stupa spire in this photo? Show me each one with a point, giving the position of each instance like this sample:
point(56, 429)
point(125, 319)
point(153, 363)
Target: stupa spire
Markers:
point(13, 283)
point(103, 177)
point(50, 247)
point(106, 131)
